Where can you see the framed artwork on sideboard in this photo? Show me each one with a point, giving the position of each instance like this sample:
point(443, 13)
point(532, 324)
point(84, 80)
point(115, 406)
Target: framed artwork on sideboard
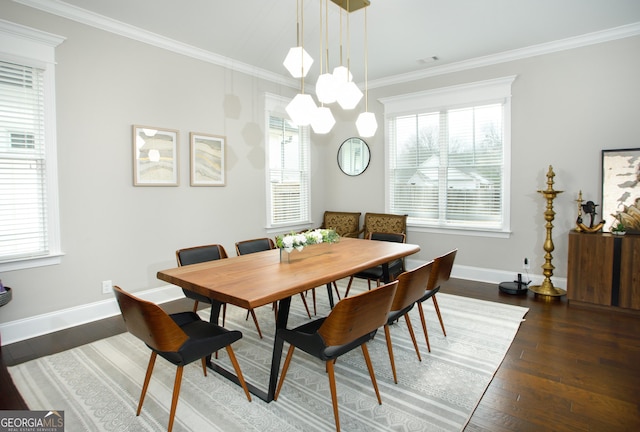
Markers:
point(620, 183)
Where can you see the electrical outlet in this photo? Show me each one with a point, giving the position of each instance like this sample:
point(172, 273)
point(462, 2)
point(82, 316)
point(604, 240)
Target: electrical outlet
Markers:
point(525, 264)
point(107, 287)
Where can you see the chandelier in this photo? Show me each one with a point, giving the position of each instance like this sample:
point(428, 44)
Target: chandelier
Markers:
point(331, 87)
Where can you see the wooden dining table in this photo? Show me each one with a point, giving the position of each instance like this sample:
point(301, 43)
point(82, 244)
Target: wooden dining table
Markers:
point(261, 278)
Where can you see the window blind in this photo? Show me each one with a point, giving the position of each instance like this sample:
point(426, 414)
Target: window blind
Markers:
point(447, 151)
point(23, 207)
point(288, 172)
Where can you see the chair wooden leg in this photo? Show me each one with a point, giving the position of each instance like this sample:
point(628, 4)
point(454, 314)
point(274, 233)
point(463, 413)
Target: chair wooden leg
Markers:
point(424, 325)
point(195, 305)
point(334, 395)
point(435, 304)
point(255, 321)
point(346, 293)
point(305, 306)
point(387, 335)
point(147, 378)
point(285, 367)
point(335, 286)
point(413, 336)
point(367, 359)
point(236, 367)
point(204, 364)
point(174, 399)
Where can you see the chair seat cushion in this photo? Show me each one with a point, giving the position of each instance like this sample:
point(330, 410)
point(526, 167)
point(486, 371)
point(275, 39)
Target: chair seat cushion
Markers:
point(195, 296)
point(376, 273)
point(394, 315)
point(306, 338)
point(428, 294)
point(204, 338)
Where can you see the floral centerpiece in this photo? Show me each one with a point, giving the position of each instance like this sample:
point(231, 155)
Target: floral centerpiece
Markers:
point(298, 241)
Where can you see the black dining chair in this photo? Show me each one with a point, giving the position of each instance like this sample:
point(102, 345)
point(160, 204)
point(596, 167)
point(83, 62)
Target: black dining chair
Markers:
point(441, 272)
point(245, 247)
point(180, 338)
point(352, 323)
point(377, 273)
point(411, 286)
point(199, 254)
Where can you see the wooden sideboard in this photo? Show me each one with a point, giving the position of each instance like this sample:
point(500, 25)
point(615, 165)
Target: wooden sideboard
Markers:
point(604, 269)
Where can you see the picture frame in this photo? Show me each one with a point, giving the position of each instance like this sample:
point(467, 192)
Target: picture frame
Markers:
point(620, 182)
point(207, 159)
point(155, 156)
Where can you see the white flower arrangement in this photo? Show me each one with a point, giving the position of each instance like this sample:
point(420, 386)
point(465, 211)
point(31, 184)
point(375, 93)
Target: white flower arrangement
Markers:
point(298, 241)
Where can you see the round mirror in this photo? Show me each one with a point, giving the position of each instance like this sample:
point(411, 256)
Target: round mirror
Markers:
point(353, 156)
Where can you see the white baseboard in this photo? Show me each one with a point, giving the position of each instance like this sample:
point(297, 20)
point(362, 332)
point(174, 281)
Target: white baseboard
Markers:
point(26, 328)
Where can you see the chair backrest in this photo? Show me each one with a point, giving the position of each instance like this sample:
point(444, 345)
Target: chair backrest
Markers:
point(148, 322)
point(390, 237)
point(442, 266)
point(256, 245)
point(411, 286)
point(384, 223)
point(358, 315)
point(344, 223)
point(198, 254)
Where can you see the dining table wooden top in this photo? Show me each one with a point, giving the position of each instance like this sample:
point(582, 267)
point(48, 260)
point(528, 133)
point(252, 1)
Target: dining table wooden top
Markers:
point(260, 278)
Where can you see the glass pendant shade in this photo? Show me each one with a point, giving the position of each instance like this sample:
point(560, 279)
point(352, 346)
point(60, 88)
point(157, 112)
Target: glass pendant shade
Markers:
point(326, 88)
point(301, 109)
point(298, 62)
point(323, 121)
point(367, 124)
point(349, 95)
point(342, 75)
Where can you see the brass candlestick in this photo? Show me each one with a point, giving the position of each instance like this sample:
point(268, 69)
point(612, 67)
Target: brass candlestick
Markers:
point(547, 288)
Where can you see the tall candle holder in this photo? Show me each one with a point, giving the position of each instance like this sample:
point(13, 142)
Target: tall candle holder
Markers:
point(547, 288)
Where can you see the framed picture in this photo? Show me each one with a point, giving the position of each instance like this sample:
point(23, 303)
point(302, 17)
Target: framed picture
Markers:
point(155, 156)
point(620, 182)
point(207, 160)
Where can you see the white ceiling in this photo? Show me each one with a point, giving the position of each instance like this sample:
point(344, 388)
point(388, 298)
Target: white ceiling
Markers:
point(258, 33)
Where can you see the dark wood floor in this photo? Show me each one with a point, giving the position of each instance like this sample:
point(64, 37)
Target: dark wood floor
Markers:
point(569, 368)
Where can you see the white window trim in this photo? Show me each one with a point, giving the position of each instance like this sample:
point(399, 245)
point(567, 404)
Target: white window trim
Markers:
point(479, 92)
point(28, 46)
point(277, 104)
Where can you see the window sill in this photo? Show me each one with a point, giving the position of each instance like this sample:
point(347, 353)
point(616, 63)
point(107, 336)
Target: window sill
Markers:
point(26, 263)
point(470, 232)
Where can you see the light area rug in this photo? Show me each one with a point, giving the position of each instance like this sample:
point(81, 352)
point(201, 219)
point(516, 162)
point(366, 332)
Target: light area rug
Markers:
point(98, 385)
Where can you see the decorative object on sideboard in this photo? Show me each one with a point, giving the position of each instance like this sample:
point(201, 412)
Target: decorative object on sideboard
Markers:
point(589, 208)
point(621, 188)
point(627, 220)
point(547, 288)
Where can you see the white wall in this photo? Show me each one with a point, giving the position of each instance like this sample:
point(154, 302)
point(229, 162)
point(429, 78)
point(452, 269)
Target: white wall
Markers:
point(110, 229)
point(567, 107)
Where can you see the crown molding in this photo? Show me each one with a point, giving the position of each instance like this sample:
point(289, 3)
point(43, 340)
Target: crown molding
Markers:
point(517, 54)
point(89, 18)
point(101, 22)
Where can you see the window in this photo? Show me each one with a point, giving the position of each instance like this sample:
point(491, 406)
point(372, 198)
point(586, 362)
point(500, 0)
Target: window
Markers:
point(448, 156)
point(29, 231)
point(288, 185)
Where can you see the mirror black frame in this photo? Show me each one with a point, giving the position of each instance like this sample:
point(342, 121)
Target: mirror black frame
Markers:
point(358, 157)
